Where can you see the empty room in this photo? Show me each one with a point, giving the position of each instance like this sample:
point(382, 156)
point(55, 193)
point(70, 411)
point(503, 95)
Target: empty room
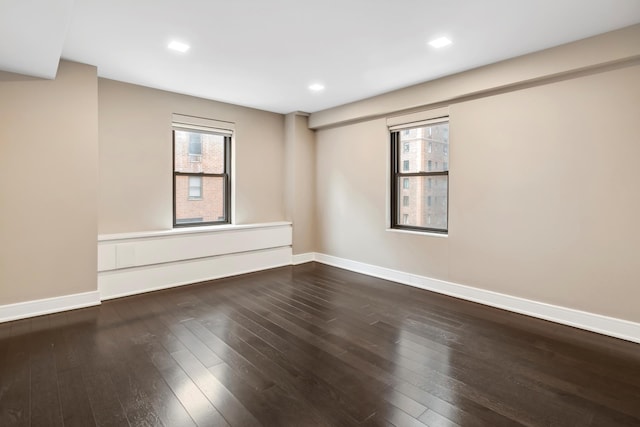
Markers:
point(329, 213)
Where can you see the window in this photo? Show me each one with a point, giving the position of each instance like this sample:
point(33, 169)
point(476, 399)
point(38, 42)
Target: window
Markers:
point(195, 143)
point(423, 177)
point(201, 176)
point(195, 187)
point(406, 147)
point(195, 147)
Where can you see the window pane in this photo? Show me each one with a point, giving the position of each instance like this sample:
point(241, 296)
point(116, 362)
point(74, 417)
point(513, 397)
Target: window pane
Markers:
point(195, 143)
point(426, 201)
point(425, 149)
point(195, 187)
point(208, 207)
point(199, 152)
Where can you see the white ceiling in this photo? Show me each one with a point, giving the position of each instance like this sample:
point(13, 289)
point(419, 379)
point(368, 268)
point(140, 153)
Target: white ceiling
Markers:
point(265, 53)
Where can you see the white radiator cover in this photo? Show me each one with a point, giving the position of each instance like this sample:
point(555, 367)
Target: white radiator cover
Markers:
point(134, 263)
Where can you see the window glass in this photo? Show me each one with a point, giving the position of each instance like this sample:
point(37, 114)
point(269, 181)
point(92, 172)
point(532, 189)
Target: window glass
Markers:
point(199, 198)
point(428, 149)
point(199, 152)
point(424, 202)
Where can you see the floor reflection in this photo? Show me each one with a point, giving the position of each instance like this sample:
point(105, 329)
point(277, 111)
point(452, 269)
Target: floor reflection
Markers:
point(309, 345)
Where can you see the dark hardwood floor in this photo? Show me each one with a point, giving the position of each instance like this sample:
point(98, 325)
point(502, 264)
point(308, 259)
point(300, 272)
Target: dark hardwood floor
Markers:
point(310, 345)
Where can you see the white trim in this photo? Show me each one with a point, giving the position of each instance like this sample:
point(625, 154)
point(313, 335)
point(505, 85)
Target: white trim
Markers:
point(605, 325)
point(189, 230)
point(303, 258)
point(137, 280)
point(22, 310)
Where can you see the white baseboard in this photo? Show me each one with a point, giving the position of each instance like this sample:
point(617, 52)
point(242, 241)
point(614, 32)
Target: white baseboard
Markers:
point(137, 280)
point(130, 281)
point(22, 310)
point(303, 258)
point(605, 325)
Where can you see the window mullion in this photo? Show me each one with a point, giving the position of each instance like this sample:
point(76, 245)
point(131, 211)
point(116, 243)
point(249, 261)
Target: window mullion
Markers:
point(409, 174)
point(215, 175)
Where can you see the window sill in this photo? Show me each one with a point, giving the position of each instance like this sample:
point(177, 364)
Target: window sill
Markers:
point(418, 233)
point(189, 230)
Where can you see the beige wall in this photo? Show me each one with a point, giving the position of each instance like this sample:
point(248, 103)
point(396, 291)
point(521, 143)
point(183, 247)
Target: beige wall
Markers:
point(135, 190)
point(550, 189)
point(48, 184)
point(300, 181)
point(544, 200)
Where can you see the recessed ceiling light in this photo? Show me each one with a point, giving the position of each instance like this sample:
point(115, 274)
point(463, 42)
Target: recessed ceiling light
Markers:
point(440, 42)
point(180, 47)
point(316, 87)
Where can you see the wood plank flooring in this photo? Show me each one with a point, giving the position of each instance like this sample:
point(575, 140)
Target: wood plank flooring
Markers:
point(310, 345)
